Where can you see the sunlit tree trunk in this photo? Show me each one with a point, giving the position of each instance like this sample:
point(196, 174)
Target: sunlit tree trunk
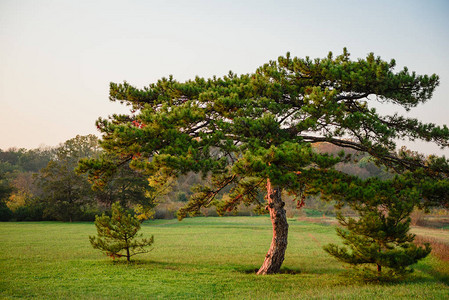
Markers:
point(275, 256)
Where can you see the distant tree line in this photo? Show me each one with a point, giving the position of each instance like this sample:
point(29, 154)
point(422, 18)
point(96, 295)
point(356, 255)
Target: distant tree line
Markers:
point(42, 184)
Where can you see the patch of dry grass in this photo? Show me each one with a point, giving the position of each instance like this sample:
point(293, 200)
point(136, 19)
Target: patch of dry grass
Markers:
point(440, 234)
point(438, 218)
point(439, 249)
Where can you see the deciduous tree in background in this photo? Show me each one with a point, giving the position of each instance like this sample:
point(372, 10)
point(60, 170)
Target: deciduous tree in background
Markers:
point(5, 191)
point(64, 192)
point(255, 131)
point(17, 167)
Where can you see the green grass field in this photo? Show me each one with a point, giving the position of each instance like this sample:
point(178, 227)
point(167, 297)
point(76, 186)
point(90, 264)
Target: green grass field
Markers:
point(211, 258)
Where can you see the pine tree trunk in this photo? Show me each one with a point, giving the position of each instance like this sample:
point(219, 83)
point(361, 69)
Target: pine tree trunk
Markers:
point(127, 254)
point(275, 255)
point(127, 248)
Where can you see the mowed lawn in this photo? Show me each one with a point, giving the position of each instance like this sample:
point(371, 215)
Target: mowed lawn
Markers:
point(197, 258)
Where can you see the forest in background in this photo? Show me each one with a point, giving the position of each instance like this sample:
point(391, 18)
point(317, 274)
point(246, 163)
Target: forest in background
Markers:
point(41, 184)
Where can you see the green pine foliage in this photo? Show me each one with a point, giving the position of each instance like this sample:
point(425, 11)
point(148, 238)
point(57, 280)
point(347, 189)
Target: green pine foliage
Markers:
point(239, 131)
point(378, 243)
point(117, 235)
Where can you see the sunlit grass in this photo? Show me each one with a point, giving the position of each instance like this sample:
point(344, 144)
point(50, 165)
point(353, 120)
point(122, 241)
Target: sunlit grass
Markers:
point(195, 258)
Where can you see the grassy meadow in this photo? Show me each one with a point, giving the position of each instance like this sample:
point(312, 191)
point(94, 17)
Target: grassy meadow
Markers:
point(210, 258)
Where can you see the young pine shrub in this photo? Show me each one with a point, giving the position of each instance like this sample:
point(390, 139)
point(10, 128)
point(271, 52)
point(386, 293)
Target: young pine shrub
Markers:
point(117, 235)
point(378, 243)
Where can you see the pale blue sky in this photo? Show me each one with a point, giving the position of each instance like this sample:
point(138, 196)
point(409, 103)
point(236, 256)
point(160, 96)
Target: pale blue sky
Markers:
point(58, 57)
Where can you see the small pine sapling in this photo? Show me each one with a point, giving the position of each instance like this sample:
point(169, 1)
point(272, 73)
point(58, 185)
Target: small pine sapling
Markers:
point(117, 234)
point(380, 245)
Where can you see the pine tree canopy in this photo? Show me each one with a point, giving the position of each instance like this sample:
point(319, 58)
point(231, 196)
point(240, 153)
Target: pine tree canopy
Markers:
point(117, 234)
point(244, 130)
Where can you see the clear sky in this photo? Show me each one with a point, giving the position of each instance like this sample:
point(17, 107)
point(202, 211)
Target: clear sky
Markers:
point(58, 57)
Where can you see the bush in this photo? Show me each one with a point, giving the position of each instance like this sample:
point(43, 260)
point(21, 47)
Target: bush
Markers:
point(5, 213)
point(181, 197)
point(313, 212)
point(30, 213)
point(167, 210)
point(88, 215)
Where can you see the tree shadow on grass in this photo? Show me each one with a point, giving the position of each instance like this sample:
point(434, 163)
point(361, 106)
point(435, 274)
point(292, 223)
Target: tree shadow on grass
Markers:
point(294, 271)
point(437, 275)
point(437, 269)
point(253, 270)
point(146, 262)
point(357, 276)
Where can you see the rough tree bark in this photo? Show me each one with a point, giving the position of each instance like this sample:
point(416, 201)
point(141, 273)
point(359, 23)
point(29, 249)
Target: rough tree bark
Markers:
point(275, 256)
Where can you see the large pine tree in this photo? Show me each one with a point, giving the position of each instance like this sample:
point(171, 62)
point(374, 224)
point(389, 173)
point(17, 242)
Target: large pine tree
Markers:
point(256, 131)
